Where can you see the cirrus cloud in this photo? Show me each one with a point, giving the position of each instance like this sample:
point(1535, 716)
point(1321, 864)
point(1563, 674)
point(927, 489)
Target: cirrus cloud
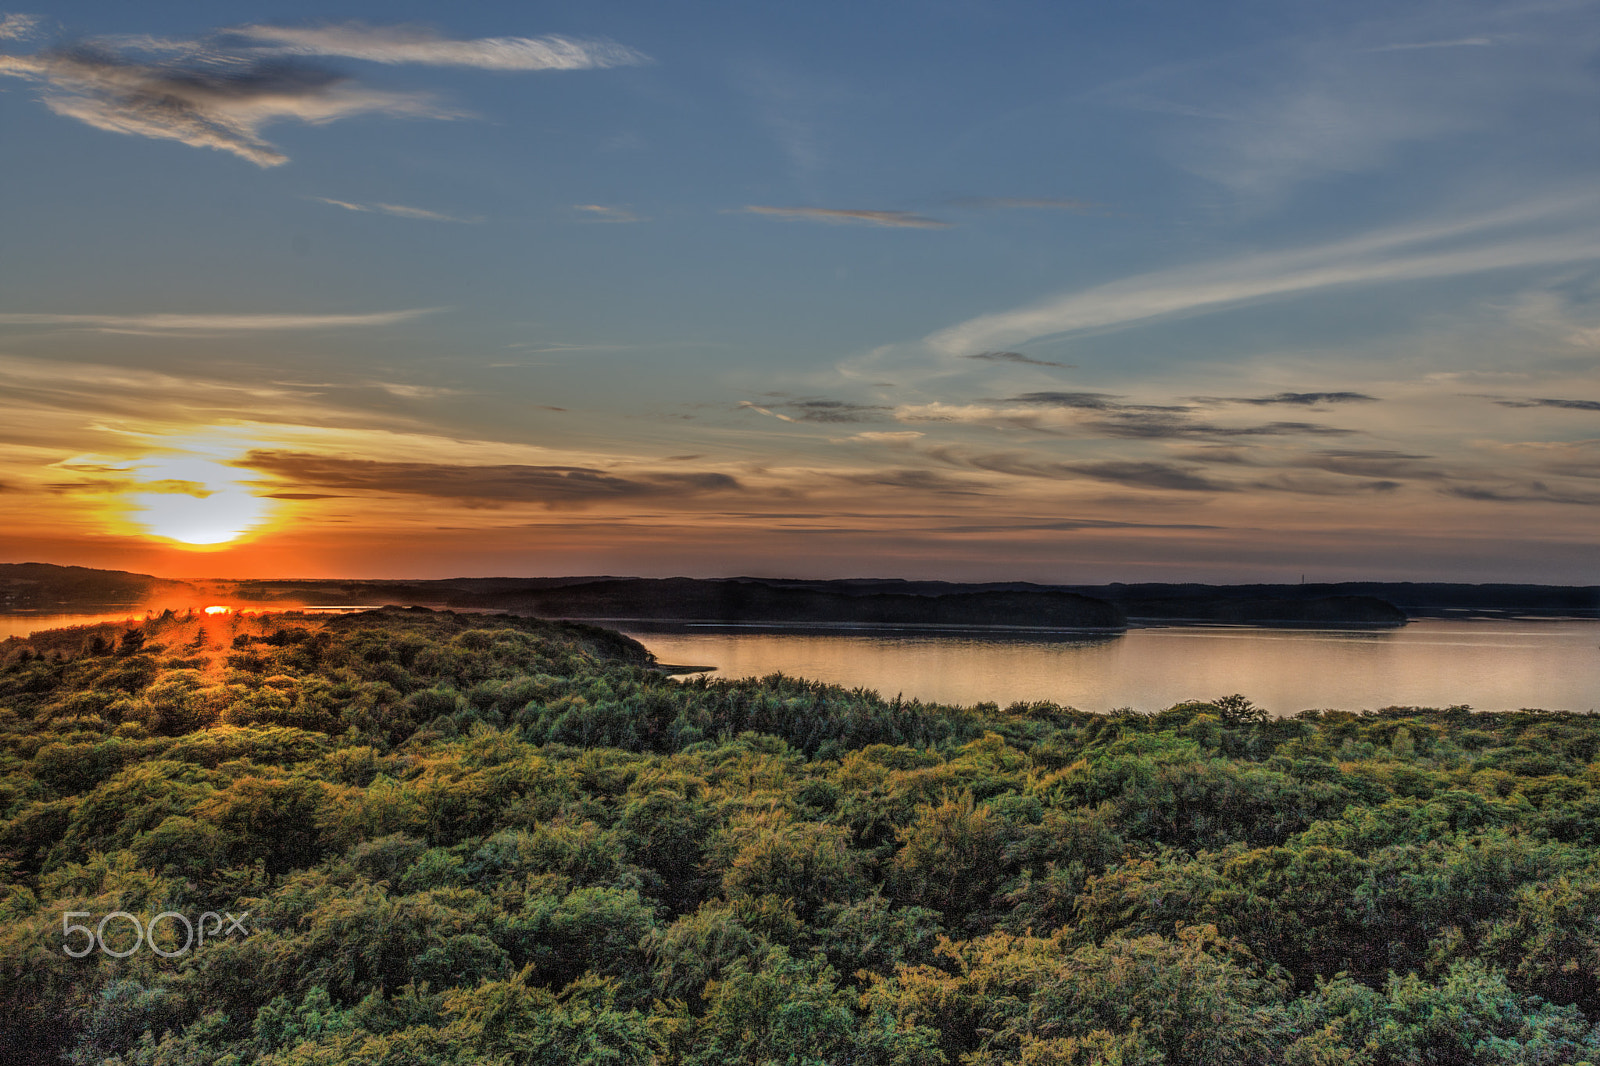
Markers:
point(16, 27)
point(410, 44)
point(213, 323)
point(397, 210)
point(203, 105)
point(487, 485)
point(899, 219)
point(220, 91)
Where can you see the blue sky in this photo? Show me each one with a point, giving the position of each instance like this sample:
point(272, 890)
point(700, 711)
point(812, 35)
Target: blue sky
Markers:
point(974, 290)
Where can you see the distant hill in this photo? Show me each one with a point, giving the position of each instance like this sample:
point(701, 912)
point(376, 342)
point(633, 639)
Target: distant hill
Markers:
point(1413, 600)
point(36, 586)
point(45, 586)
point(1165, 601)
point(748, 600)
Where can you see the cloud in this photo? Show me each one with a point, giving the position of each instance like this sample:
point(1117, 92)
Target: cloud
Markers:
point(602, 213)
point(1532, 492)
point(1016, 357)
point(16, 27)
point(1358, 91)
point(903, 219)
point(1024, 202)
point(918, 480)
point(1146, 476)
point(1321, 486)
point(1359, 469)
point(1156, 426)
point(1130, 473)
point(495, 483)
point(890, 438)
point(204, 103)
point(397, 210)
point(1069, 525)
point(1149, 475)
point(1092, 401)
point(1188, 478)
point(1409, 253)
point(214, 323)
point(832, 410)
point(765, 411)
point(1301, 399)
point(1571, 405)
point(405, 44)
point(220, 91)
point(1370, 463)
point(1459, 42)
point(1572, 458)
point(1091, 414)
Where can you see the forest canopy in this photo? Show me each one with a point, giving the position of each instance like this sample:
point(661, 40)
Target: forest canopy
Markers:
point(451, 839)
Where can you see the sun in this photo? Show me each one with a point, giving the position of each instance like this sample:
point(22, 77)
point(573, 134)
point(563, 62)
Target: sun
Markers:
point(195, 501)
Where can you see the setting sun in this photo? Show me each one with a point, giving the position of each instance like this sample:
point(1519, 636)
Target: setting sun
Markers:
point(194, 501)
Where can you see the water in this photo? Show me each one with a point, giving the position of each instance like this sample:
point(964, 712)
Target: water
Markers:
point(21, 623)
point(1488, 665)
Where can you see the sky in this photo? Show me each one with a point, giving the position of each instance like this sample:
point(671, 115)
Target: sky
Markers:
point(1074, 293)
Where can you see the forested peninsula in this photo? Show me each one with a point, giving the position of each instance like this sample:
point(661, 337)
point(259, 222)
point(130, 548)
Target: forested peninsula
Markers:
point(451, 839)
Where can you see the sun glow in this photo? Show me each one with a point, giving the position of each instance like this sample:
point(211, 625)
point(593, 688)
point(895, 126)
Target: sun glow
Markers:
point(194, 500)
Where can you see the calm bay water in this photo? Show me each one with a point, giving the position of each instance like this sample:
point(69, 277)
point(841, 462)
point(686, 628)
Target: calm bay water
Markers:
point(1489, 665)
point(21, 623)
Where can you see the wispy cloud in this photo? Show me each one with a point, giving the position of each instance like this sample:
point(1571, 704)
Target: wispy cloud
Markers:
point(1016, 357)
point(1529, 492)
point(915, 480)
point(1585, 338)
point(1571, 405)
point(1371, 462)
point(1129, 473)
point(769, 412)
point(17, 27)
point(499, 483)
point(1363, 91)
point(398, 210)
point(1409, 253)
point(1092, 401)
point(889, 438)
point(220, 91)
point(214, 323)
point(1293, 399)
point(1312, 485)
point(1024, 203)
point(1091, 415)
point(407, 44)
point(904, 219)
point(603, 213)
point(833, 411)
point(1459, 42)
point(202, 104)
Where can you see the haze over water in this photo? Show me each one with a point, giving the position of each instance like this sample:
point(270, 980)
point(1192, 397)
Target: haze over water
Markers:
point(1489, 665)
